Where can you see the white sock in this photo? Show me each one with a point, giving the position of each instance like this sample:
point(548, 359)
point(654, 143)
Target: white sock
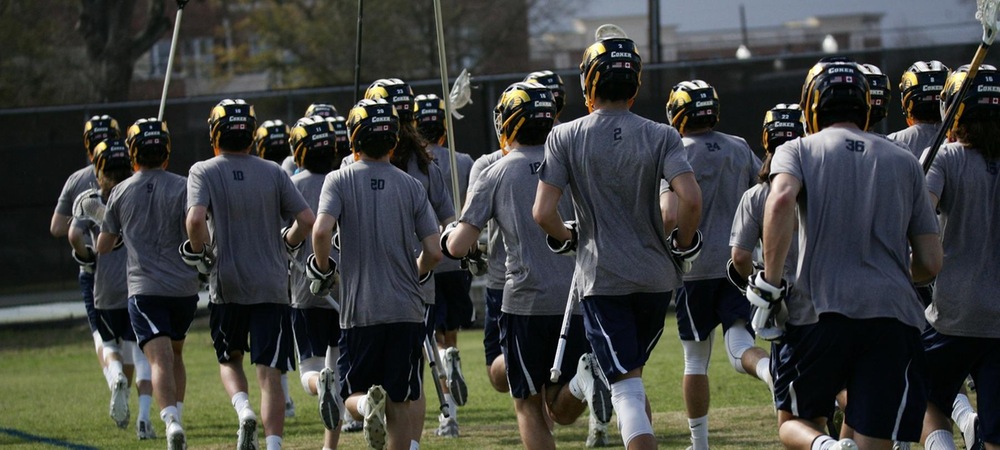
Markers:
point(764, 372)
point(273, 442)
point(823, 442)
point(180, 410)
point(940, 440)
point(452, 406)
point(145, 402)
point(699, 432)
point(962, 411)
point(576, 389)
point(107, 378)
point(240, 401)
point(414, 445)
point(169, 414)
point(284, 387)
point(363, 405)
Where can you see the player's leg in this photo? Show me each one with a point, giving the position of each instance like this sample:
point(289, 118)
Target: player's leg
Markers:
point(696, 323)
point(144, 387)
point(271, 352)
point(949, 360)
point(229, 324)
point(111, 325)
point(496, 369)
point(734, 312)
point(86, 281)
point(527, 375)
point(453, 289)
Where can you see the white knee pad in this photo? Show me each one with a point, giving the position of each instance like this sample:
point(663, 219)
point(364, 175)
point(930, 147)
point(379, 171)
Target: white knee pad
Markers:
point(111, 348)
point(143, 372)
point(127, 353)
point(697, 355)
point(738, 341)
point(308, 369)
point(629, 400)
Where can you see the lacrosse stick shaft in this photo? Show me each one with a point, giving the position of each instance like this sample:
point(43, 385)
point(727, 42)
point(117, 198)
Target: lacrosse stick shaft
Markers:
point(443, 64)
point(555, 372)
point(949, 117)
point(357, 53)
point(170, 62)
point(430, 352)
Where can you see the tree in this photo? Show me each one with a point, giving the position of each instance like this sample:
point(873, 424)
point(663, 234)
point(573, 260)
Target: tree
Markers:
point(114, 40)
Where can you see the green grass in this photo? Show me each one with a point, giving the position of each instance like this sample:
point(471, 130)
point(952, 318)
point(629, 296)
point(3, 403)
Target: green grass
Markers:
point(51, 386)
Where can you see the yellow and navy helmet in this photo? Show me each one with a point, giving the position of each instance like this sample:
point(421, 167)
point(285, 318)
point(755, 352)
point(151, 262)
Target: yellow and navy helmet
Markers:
point(321, 109)
point(429, 114)
point(97, 129)
point(920, 89)
point(312, 137)
point(271, 141)
point(373, 126)
point(232, 124)
point(611, 61)
point(878, 84)
point(341, 135)
point(782, 123)
point(693, 102)
point(394, 91)
point(148, 140)
point(981, 100)
point(835, 85)
point(522, 103)
point(111, 155)
point(552, 81)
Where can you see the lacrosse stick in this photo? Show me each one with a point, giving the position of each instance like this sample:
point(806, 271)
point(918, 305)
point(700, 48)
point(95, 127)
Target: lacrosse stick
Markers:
point(430, 351)
point(170, 59)
point(357, 54)
point(443, 64)
point(986, 12)
point(556, 371)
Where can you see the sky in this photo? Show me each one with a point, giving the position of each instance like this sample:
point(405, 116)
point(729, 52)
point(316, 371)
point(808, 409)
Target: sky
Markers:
point(934, 21)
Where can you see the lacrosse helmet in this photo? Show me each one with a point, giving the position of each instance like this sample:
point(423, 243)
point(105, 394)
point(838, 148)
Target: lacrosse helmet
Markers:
point(148, 142)
point(312, 138)
point(374, 127)
point(111, 155)
point(878, 84)
point(611, 62)
point(271, 141)
point(429, 114)
point(523, 103)
point(782, 123)
point(920, 89)
point(835, 86)
point(555, 84)
point(396, 92)
point(341, 135)
point(97, 129)
point(321, 109)
point(693, 102)
point(232, 124)
point(982, 100)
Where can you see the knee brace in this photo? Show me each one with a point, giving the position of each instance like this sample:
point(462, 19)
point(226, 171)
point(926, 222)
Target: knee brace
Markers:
point(697, 355)
point(111, 348)
point(143, 372)
point(308, 369)
point(127, 352)
point(738, 341)
point(629, 400)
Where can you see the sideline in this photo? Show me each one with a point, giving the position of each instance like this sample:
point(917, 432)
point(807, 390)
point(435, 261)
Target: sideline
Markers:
point(43, 440)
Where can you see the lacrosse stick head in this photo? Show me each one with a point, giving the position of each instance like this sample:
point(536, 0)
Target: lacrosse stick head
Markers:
point(986, 13)
point(609, 31)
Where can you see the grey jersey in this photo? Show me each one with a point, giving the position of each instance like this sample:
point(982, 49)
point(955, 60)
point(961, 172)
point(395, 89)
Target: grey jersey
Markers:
point(862, 197)
point(725, 168)
point(442, 158)
point(288, 165)
point(538, 280)
point(249, 200)
point(748, 227)
point(613, 161)
point(497, 257)
point(965, 296)
point(110, 276)
point(916, 137)
point(78, 181)
point(381, 211)
point(147, 211)
point(310, 185)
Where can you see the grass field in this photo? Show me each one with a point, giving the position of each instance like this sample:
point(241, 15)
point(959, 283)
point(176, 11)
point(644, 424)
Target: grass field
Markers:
point(52, 388)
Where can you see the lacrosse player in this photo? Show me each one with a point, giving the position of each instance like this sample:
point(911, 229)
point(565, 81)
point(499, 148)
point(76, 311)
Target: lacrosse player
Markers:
point(878, 84)
point(920, 91)
point(243, 251)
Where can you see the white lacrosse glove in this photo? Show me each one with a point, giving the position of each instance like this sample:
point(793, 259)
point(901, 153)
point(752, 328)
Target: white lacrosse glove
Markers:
point(203, 260)
point(476, 261)
point(448, 229)
point(293, 250)
point(684, 258)
point(769, 318)
point(89, 206)
point(87, 261)
point(321, 282)
point(425, 278)
point(736, 279)
point(567, 247)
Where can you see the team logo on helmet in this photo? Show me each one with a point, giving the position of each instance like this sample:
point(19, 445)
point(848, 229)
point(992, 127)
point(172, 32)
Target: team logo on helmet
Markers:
point(782, 123)
point(521, 103)
point(111, 155)
point(321, 109)
point(271, 141)
point(835, 85)
point(920, 87)
point(693, 100)
point(981, 100)
point(373, 126)
point(233, 122)
point(612, 60)
point(394, 91)
point(312, 137)
point(97, 129)
point(555, 84)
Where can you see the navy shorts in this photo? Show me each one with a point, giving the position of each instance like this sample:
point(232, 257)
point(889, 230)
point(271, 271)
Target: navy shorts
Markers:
point(703, 305)
point(114, 324)
point(154, 316)
point(86, 280)
point(624, 329)
point(315, 329)
point(268, 326)
point(529, 347)
point(451, 291)
point(879, 361)
point(491, 324)
point(390, 355)
point(949, 360)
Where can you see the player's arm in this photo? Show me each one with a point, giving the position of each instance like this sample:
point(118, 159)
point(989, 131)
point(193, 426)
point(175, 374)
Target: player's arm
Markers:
point(927, 253)
point(742, 262)
point(106, 242)
point(301, 229)
point(779, 225)
point(76, 240)
point(322, 234)
point(458, 240)
point(668, 211)
point(431, 254)
point(688, 209)
point(59, 225)
point(197, 228)
point(546, 212)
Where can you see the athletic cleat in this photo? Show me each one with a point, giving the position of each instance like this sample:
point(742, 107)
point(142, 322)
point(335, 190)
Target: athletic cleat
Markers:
point(598, 396)
point(175, 437)
point(326, 387)
point(246, 437)
point(972, 435)
point(456, 381)
point(845, 444)
point(290, 408)
point(374, 426)
point(447, 427)
point(899, 445)
point(597, 434)
point(144, 430)
point(351, 426)
point(119, 401)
